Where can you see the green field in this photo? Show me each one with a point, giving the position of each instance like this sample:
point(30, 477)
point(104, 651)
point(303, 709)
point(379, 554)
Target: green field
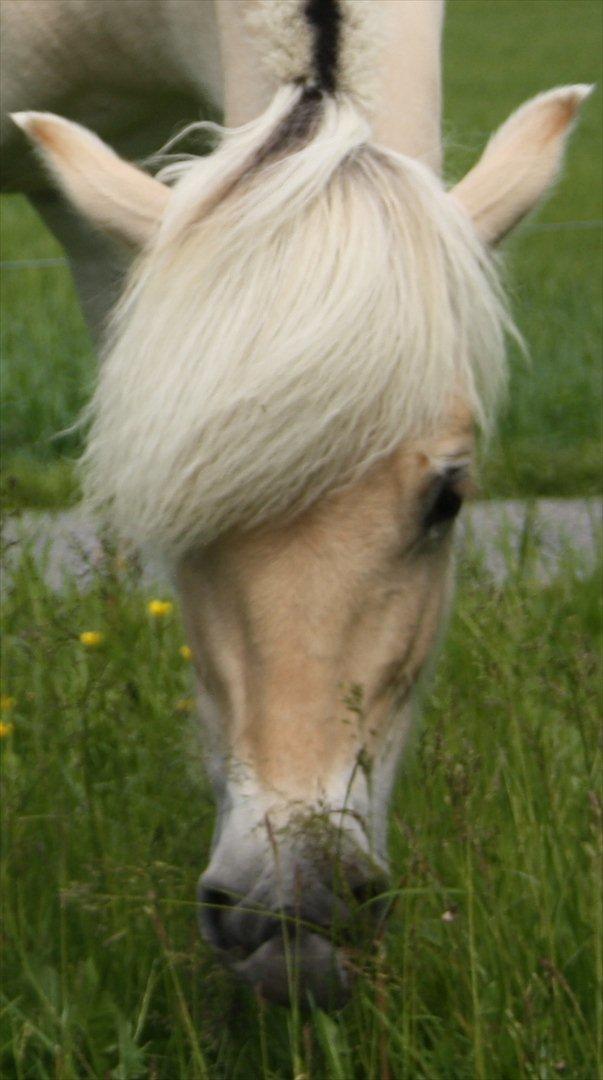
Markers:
point(497, 54)
point(492, 967)
point(489, 969)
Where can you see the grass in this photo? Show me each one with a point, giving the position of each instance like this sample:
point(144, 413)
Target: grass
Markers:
point(497, 55)
point(489, 969)
point(550, 433)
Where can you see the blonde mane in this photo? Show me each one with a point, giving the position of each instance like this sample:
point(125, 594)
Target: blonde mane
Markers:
point(306, 306)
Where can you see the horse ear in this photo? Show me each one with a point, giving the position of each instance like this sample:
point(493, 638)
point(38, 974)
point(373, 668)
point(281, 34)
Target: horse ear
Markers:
point(520, 163)
point(115, 196)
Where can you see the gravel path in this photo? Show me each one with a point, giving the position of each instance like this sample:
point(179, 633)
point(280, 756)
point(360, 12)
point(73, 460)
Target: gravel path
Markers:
point(545, 535)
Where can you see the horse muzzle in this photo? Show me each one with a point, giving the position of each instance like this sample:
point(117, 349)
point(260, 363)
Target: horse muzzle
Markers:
point(293, 931)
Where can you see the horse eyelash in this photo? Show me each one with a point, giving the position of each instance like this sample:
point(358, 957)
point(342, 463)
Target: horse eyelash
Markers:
point(444, 501)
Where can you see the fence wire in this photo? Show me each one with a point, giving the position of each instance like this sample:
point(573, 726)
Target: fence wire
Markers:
point(26, 264)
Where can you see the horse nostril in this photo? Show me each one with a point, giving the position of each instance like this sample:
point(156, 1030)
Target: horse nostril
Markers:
point(364, 893)
point(370, 898)
point(214, 906)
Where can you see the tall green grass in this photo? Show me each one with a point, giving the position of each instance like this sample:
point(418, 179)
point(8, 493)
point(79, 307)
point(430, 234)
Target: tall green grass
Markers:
point(490, 965)
point(497, 54)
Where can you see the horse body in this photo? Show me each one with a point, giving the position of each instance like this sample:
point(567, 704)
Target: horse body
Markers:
point(133, 70)
point(287, 408)
point(136, 70)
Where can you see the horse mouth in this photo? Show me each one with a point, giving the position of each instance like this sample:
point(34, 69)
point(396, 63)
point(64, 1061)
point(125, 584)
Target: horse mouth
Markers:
point(306, 950)
point(282, 956)
point(302, 967)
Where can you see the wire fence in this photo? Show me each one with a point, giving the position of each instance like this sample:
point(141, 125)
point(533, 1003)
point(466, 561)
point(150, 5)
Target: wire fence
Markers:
point(555, 226)
point(541, 226)
point(27, 264)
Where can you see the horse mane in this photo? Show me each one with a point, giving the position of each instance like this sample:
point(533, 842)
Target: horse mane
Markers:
point(311, 300)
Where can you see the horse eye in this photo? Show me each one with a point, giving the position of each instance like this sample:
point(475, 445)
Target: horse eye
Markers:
point(444, 502)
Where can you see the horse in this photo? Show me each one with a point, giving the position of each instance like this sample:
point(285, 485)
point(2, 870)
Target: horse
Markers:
point(310, 338)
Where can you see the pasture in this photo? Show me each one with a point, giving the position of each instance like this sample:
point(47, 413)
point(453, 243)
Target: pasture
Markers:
point(491, 965)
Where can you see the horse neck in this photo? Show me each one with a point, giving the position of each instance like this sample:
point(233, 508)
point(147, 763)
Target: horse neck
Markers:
point(407, 115)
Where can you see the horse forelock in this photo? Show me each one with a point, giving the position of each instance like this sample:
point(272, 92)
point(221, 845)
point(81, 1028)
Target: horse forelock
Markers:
point(300, 315)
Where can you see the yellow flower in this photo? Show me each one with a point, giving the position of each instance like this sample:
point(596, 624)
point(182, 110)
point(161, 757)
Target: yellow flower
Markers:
point(91, 639)
point(160, 609)
point(5, 729)
point(185, 704)
point(7, 703)
point(185, 652)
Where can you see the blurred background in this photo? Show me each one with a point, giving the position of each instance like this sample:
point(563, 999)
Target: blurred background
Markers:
point(497, 54)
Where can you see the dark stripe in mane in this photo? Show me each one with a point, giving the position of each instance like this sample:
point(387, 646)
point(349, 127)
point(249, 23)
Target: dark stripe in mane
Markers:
point(324, 17)
point(295, 129)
